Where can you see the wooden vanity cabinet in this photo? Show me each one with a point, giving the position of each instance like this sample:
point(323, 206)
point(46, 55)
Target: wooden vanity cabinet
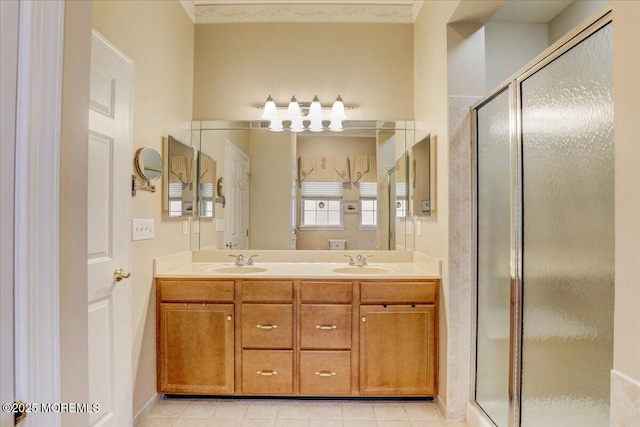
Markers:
point(195, 336)
point(398, 338)
point(297, 337)
point(266, 332)
point(326, 336)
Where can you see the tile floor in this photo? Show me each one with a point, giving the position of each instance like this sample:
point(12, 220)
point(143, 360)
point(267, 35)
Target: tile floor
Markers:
point(174, 412)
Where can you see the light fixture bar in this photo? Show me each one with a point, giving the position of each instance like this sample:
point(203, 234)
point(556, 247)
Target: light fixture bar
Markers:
point(304, 106)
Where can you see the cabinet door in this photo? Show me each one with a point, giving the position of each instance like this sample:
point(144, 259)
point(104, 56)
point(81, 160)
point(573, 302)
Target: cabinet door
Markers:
point(398, 353)
point(195, 348)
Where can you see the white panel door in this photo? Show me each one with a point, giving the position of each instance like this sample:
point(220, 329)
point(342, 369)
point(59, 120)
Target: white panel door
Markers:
point(109, 301)
point(236, 217)
point(9, 15)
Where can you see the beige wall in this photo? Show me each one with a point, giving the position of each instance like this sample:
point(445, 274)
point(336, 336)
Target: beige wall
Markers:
point(626, 64)
point(74, 129)
point(574, 14)
point(431, 99)
point(159, 38)
point(270, 190)
point(238, 65)
point(511, 45)
point(331, 146)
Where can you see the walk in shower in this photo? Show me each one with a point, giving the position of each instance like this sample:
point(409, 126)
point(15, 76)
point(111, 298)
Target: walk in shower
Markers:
point(544, 238)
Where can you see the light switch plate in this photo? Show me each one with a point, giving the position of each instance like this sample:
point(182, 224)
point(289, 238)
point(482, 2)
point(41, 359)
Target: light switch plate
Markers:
point(219, 224)
point(196, 226)
point(142, 229)
point(185, 226)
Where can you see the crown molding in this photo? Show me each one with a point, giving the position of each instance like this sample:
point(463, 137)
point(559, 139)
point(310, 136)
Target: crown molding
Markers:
point(190, 8)
point(397, 13)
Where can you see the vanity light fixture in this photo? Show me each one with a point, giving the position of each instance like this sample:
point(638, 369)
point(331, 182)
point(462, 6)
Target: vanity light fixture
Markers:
point(296, 118)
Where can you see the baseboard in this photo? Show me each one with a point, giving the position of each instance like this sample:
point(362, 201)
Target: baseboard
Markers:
point(146, 409)
point(442, 410)
point(625, 400)
point(449, 414)
point(476, 417)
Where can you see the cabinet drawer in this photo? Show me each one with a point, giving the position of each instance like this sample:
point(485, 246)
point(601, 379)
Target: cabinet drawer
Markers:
point(314, 291)
point(325, 372)
point(267, 326)
point(196, 290)
point(267, 291)
point(267, 372)
point(324, 326)
point(390, 292)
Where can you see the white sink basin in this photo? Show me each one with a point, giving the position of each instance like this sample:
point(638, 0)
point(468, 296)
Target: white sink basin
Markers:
point(362, 270)
point(245, 269)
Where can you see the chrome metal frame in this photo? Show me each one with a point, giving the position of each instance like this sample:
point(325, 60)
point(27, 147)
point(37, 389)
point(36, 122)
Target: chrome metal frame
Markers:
point(474, 226)
point(513, 84)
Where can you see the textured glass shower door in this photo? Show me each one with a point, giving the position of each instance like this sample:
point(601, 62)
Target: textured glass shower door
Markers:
point(568, 237)
point(493, 249)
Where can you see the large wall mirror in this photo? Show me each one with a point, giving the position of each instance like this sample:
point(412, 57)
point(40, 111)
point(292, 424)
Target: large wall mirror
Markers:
point(305, 191)
point(179, 178)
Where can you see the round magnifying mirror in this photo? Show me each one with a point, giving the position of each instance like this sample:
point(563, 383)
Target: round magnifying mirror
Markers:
point(148, 163)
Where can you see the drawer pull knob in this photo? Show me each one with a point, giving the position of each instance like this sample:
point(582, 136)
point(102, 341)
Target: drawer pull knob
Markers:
point(325, 374)
point(267, 326)
point(364, 319)
point(267, 373)
point(229, 318)
point(326, 327)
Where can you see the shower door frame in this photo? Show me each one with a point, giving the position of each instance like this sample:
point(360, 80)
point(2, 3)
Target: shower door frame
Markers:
point(513, 86)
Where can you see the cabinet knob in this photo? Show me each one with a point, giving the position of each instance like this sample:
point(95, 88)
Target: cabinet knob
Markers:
point(229, 318)
point(364, 319)
point(267, 373)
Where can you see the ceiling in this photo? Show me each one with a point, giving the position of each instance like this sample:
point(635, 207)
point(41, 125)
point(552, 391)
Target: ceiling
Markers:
point(530, 11)
point(272, 2)
point(378, 11)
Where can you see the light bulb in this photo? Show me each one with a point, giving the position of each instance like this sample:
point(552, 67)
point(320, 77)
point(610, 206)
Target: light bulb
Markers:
point(269, 109)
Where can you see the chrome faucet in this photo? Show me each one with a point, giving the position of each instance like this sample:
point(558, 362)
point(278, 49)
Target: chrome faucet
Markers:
point(359, 260)
point(241, 260)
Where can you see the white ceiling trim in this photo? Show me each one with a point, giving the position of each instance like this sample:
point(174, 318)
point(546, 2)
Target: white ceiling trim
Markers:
point(190, 8)
point(370, 12)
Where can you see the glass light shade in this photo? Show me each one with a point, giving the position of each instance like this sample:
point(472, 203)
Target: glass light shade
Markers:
point(337, 110)
point(296, 124)
point(269, 109)
point(315, 115)
point(315, 110)
point(276, 124)
point(316, 126)
point(294, 109)
point(335, 125)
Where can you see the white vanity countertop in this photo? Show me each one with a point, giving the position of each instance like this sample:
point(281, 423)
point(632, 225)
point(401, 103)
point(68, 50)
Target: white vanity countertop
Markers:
point(272, 265)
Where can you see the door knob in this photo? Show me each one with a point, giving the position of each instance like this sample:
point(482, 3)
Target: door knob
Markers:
point(119, 274)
